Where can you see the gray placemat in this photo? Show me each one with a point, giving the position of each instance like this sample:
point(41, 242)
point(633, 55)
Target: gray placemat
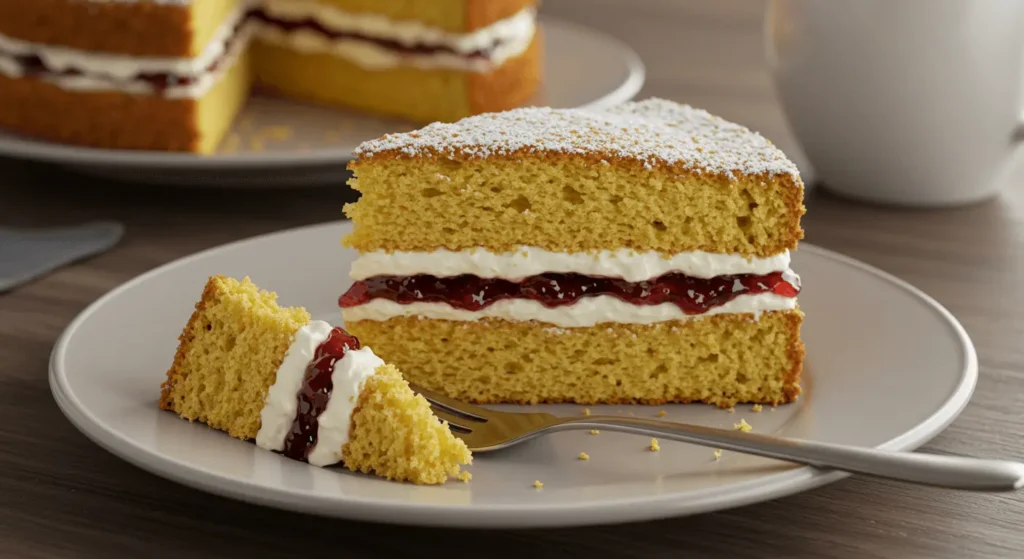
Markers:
point(26, 254)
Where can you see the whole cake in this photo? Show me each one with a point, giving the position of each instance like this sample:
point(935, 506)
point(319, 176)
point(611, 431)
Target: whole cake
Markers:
point(638, 254)
point(297, 386)
point(172, 74)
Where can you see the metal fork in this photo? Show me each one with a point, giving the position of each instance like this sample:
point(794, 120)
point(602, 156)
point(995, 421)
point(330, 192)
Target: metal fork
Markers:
point(485, 430)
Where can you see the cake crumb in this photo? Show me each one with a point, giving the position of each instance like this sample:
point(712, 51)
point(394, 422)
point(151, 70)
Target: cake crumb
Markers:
point(718, 454)
point(731, 410)
point(594, 432)
point(662, 413)
point(743, 426)
point(584, 456)
point(537, 484)
point(465, 476)
point(586, 411)
point(757, 408)
point(280, 133)
point(231, 144)
point(655, 447)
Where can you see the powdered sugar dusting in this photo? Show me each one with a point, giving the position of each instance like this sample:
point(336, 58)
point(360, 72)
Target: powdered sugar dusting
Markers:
point(654, 132)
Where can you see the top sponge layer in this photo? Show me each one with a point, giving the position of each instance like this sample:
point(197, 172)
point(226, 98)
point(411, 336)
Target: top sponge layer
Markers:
point(649, 176)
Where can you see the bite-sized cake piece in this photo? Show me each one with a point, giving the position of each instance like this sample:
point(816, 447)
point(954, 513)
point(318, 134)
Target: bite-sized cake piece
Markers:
point(128, 75)
point(300, 387)
point(635, 254)
point(424, 61)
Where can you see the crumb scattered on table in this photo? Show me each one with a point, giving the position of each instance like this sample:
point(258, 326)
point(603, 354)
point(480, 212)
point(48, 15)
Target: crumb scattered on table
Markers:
point(718, 454)
point(594, 432)
point(586, 411)
point(662, 413)
point(731, 410)
point(655, 447)
point(743, 426)
point(584, 456)
point(537, 484)
point(757, 408)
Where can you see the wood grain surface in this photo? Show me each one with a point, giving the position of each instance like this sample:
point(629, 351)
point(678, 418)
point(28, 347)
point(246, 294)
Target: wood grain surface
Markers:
point(62, 496)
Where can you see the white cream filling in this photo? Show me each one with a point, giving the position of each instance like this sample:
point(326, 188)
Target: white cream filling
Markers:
point(586, 312)
point(281, 403)
point(525, 261)
point(112, 72)
point(335, 423)
point(513, 35)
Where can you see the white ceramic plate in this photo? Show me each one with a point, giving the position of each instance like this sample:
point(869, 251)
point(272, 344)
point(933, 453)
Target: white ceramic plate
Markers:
point(887, 368)
point(276, 142)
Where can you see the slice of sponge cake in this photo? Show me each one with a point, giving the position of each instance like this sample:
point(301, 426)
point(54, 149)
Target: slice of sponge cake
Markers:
point(636, 254)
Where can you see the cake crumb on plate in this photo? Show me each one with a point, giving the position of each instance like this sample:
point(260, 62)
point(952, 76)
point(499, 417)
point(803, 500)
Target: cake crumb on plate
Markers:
point(655, 447)
point(594, 432)
point(718, 454)
point(537, 484)
point(584, 456)
point(743, 426)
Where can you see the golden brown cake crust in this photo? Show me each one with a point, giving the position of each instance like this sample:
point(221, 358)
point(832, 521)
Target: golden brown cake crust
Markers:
point(511, 85)
point(43, 110)
point(140, 28)
point(175, 373)
point(481, 13)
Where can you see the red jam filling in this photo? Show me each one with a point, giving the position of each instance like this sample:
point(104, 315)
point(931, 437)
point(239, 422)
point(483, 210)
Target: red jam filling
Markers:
point(316, 392)
point(472, 293)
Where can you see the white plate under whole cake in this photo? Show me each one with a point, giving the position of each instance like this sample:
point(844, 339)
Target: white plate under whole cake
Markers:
point(582, 68)
point(888, 371)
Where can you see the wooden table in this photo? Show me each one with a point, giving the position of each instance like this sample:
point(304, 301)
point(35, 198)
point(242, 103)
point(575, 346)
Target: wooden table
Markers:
point(62, 496)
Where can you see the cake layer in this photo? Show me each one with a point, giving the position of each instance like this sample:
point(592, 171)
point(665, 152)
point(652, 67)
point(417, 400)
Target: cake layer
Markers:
point(567, 204)
point(164, 29)
point(378, 42)
point(406, 92)
point(35, 106)
point(525, 261)
point(724, 359)
point(455, 16)
point(647, 176)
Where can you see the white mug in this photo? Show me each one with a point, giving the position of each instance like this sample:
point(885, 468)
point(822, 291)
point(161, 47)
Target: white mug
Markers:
point(907, 102)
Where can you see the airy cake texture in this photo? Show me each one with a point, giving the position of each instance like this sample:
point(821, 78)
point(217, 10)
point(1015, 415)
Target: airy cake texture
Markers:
point(636, 254)
point(173, 75)
point(239, 368)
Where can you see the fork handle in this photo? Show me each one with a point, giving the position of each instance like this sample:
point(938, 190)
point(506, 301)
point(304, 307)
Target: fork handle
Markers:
point(952, 472)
